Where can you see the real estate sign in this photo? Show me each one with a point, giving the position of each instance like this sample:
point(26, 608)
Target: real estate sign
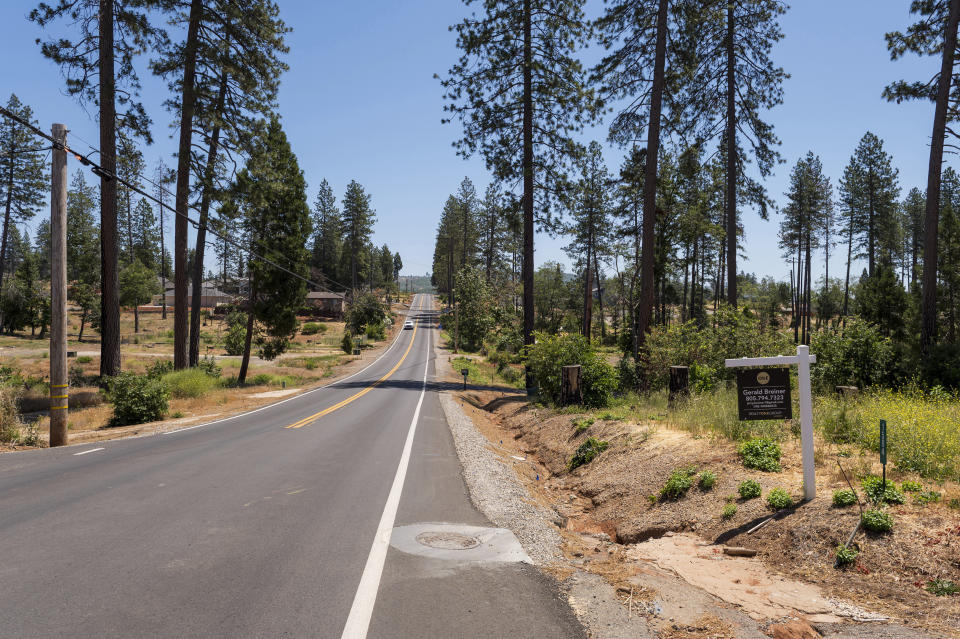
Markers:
point(764, 393)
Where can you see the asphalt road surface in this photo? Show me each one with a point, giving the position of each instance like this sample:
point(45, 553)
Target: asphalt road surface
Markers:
point(283, 522)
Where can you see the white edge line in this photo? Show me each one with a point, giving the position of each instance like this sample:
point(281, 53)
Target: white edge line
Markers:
point(84, 452)
point(358, 622)
point(396, 340)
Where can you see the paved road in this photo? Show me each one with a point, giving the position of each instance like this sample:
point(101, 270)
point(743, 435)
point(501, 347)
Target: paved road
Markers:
point(277, 523)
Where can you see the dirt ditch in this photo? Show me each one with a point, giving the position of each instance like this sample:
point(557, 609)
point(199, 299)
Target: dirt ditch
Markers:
point(614, 525)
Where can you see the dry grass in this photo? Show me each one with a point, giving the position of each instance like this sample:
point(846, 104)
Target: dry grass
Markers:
point(309, 360)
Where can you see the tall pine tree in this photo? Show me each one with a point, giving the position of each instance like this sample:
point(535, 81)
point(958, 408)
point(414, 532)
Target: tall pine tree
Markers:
point(521, 96)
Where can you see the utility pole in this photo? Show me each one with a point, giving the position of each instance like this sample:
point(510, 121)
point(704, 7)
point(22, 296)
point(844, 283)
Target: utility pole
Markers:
point(59, 390)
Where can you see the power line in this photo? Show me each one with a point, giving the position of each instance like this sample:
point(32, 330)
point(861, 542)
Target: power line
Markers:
point(160, 187)
point(100, 172)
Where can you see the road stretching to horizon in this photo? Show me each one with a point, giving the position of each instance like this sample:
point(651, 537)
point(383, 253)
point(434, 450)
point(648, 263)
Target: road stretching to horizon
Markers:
point(341, 512)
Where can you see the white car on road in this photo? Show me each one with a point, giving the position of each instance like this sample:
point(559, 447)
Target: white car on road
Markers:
point(408, 325)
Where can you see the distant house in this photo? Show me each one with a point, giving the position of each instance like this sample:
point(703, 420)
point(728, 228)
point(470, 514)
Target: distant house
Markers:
point(326, 304)
point(210, 296)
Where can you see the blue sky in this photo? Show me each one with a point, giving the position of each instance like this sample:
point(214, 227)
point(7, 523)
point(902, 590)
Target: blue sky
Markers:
point(360, 102)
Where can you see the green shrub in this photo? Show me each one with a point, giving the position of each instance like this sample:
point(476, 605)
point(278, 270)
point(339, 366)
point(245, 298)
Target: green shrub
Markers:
point(236, 337)
point(844, 497)
point(858, 355)
point(312, 328)
point(376, 332)
point(582, 424)
point(911, 486)
point(190, 383)
point(550, 353)
point(749, 489)
point(628, 376)
point(707, 480)
point(942, 587)
point(778, 499)
point(729, 510)
point(160, 368)
point(84, 359)
point(846, 555)
point(587, 451)
point(926, 497)
point(209, 366)
point(874, 488)
point(677, 485)
point(761, 453)
point(138, 399)
point(703, 347)
point(877, 521)
point(347, 343)
point(10, 423)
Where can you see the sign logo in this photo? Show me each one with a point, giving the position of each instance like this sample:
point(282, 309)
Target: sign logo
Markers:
point(763, 377)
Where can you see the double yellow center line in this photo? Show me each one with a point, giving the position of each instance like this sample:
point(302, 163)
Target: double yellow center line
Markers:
point(326, 411)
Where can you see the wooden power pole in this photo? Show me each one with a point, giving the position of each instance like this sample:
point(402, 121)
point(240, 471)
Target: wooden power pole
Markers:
point(59, 390)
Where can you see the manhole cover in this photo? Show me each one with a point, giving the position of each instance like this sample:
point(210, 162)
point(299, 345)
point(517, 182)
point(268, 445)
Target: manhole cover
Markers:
point(447, 540)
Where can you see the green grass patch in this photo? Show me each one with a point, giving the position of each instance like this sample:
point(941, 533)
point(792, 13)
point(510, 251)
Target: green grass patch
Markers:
point(84, 359)
point(582, 424)
point(922, 436)
point(729, 510)
point(190, 383)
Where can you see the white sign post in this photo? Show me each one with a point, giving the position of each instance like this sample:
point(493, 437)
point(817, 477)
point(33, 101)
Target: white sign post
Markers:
point(802, 361)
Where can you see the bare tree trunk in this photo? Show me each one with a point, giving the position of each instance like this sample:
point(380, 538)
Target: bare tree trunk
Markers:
point(209, 170)
point(180, 274)
point(109, 285)
point(245, 362)
point(731, 163)
point(647, 284)
point(928, 329)
point(528, 308)
point(6, 228)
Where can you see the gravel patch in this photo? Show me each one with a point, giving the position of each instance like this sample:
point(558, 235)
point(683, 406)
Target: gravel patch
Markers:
point(497, 492)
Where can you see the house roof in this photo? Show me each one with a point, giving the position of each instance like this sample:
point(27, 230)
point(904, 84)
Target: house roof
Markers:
point(324, 295)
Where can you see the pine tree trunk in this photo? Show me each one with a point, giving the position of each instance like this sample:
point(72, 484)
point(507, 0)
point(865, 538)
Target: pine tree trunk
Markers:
point(599, 277)
point(248, 339)
point(587, 293)
point(6, 228)
point(208, 178)
point(136, 318)
point(163, 263)
point(83, 322)
point(846, 281)
point(871, 225)
point(731, 163)
point(647, 284)
point(527, 266)
point(928, 328)
point(686, 281)
point(180, 274)
point(109, 285)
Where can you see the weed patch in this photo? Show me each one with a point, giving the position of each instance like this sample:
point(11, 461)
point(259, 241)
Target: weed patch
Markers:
point(877, 521)
point(677, 485)
point(749, 489)
point(587, 451)
point(761, 453)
